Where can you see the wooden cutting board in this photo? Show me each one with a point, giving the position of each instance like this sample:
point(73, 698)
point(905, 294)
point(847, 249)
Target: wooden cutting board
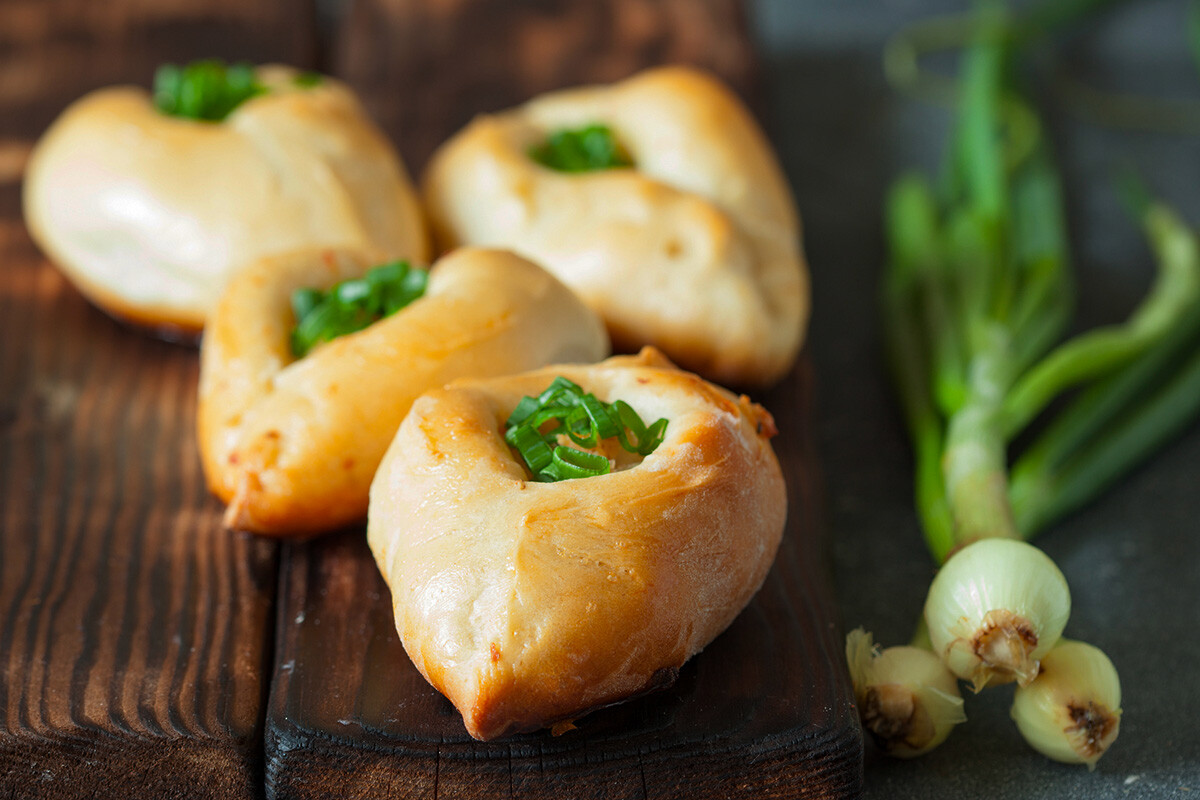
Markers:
point(143, 650)
point(763, 712)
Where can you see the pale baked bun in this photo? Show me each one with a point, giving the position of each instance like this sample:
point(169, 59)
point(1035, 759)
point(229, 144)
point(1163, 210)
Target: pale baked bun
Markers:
point(292, 444)
point(695, 251)
point(529, 603)
point(148, 214)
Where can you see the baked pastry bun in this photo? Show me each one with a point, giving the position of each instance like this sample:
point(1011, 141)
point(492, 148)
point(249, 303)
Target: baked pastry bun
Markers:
point(292, 444)
point(695, 250)
point(529, 603)
point(148, 214)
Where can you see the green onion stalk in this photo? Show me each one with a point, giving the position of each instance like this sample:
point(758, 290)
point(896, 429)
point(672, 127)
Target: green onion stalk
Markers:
point(976, 295)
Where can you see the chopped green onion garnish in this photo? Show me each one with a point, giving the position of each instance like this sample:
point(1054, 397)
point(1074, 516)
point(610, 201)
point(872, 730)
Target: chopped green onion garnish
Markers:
point(602, 422)
point(571, 463)
point(527, 406)
point(204, 90)
point(592, 147)
point(304, 301)
point(560, 388)
point(532, 447)
point(353, 304)
point(534, 427)
point(307, 80)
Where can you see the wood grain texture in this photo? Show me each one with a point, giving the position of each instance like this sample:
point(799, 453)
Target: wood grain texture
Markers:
point(425, 67)
point(135, 633)
point(53, 51)
point(763, 712)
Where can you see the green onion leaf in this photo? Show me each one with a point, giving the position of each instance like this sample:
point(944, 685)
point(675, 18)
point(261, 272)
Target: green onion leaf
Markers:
point(606, 425)
point(560, 391)
point(387, 279)
point(204, 90)
point(309, 79)
point(351, 292)
point(305, 300)
point(239, 80)
point(564, 409)
point(168, 82)
point(527, 406)
point(586, 149)
point(654, 437)
point(326, 321)
point(353, 304)
point(580, 428)
point(529, 444)
point(413, 283)
point(568, 463)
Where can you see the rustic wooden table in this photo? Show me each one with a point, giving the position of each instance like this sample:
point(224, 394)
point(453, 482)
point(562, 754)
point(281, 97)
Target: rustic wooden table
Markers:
point(146, 651)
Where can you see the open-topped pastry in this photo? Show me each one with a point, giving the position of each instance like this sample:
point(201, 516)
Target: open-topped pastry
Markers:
point(658, 200)
point(530, 588)
point(148, 203)
point(312, 359)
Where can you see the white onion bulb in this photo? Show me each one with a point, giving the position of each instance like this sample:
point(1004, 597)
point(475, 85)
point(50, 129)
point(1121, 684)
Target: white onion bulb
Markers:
point(1072, 712)
point(908, 701)
point(994, 609)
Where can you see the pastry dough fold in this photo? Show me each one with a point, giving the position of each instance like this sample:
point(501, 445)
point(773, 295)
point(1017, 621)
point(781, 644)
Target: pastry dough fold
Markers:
point(529, 603)
point(292, 444)
point(695, 251)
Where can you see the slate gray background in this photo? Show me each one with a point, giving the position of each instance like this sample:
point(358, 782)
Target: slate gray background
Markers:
point(1132, 559)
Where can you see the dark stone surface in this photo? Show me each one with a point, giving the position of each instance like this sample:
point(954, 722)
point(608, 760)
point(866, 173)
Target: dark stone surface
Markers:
point(1133, 558)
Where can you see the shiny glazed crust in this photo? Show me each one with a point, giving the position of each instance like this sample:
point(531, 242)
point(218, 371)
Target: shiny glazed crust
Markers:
point(529, 603)
point(149, 214)
point(696, 251)
point(291, 445)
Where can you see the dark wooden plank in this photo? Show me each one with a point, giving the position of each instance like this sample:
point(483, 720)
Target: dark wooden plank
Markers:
point(764, 711)
point(135, 634)
point(425, 67)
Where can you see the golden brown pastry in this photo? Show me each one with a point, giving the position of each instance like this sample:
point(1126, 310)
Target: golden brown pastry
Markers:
point(292, 444)
point(148, 214)
point(529, 603)
point(696, 250)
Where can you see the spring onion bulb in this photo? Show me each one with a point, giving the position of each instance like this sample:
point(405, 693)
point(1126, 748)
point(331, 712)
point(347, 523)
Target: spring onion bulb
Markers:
point(977, 292)
point(1072, 712)
point(995, 609)
point(907, 699)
